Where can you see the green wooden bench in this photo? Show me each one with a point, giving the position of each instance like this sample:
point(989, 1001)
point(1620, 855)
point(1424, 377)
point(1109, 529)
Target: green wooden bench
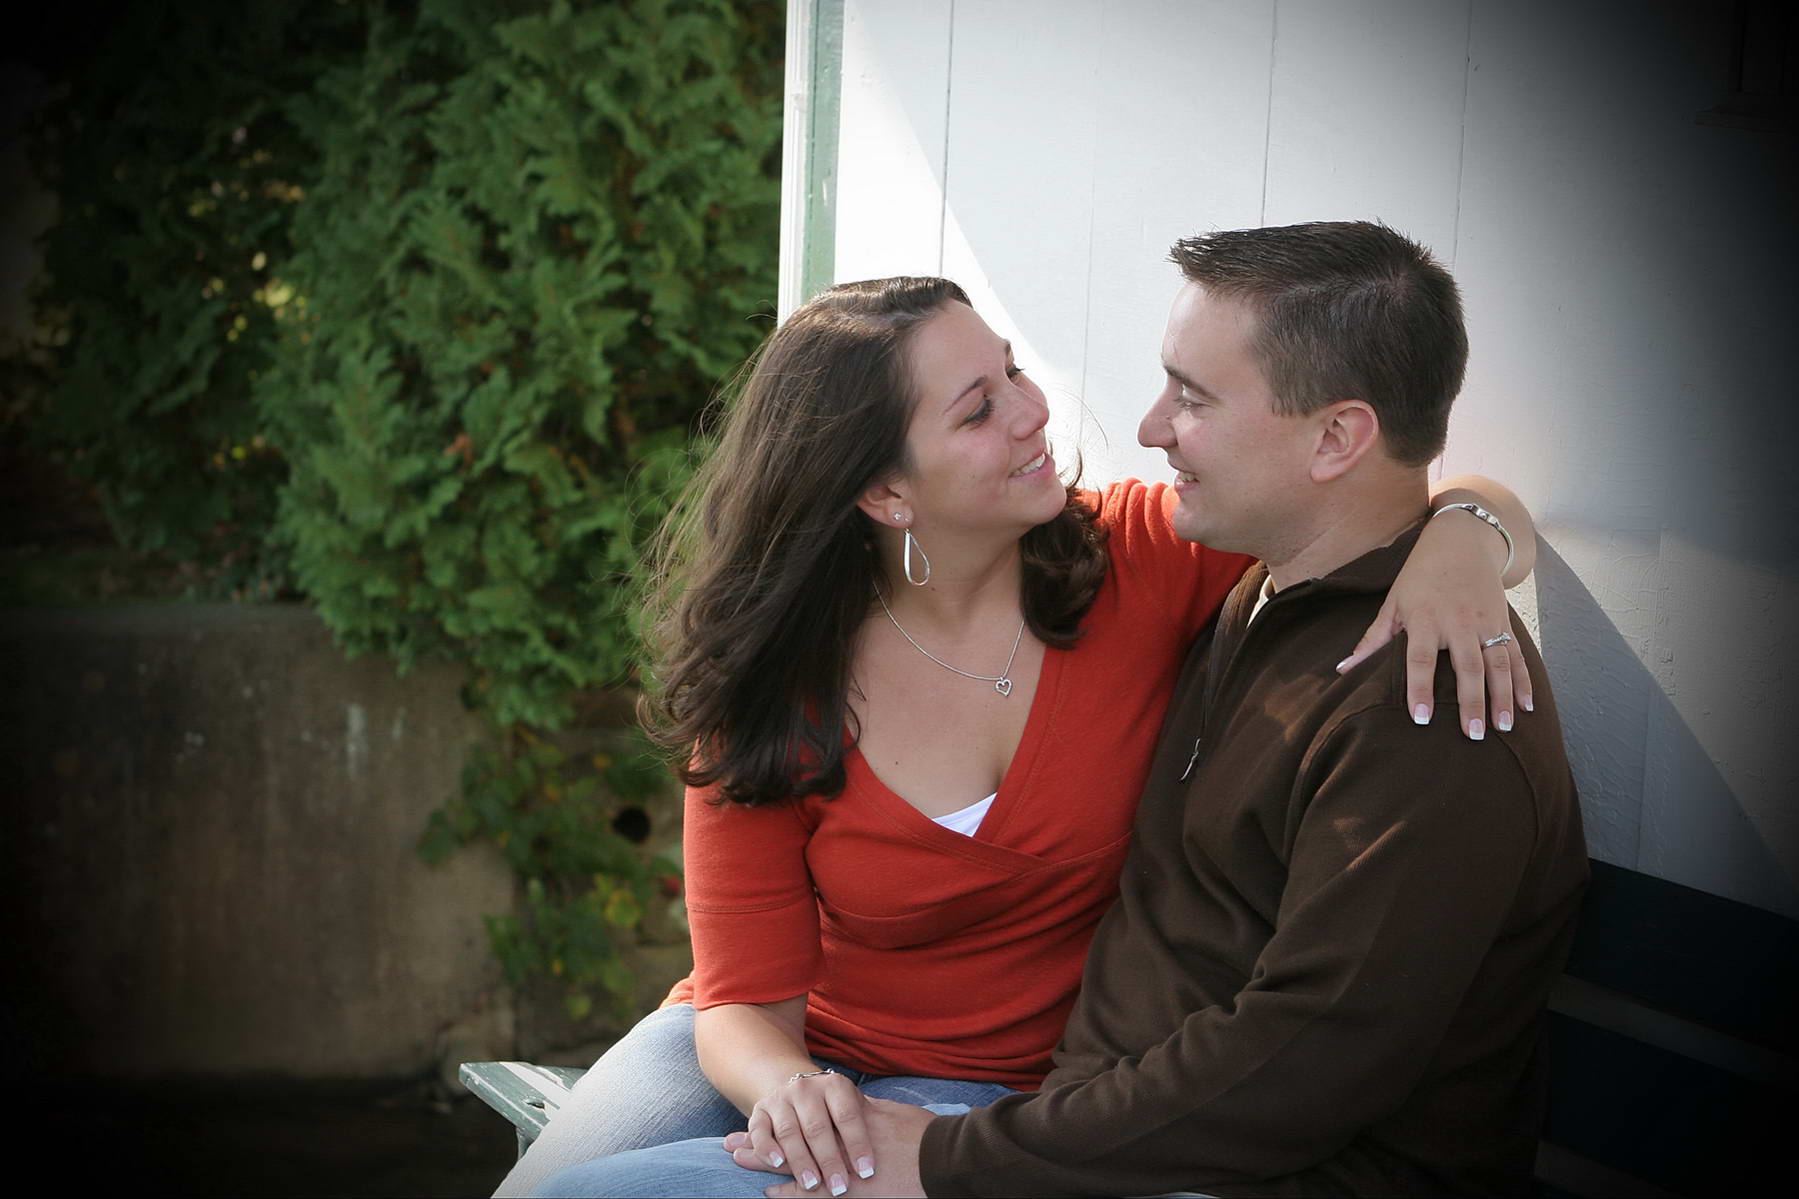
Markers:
point(1673, 1039)
point(526, 1094)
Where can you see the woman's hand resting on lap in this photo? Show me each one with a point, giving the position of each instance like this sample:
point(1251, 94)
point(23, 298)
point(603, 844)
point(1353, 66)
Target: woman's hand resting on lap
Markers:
point(812, 1127)
point(897, 1127)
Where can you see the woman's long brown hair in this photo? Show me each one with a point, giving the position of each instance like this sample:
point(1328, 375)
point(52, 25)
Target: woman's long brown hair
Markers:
point(766, 568)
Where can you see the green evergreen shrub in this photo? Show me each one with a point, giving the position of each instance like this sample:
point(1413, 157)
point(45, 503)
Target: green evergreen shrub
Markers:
point(176, 187)
point(583, 883)
point(532, 250)
point(416, 307)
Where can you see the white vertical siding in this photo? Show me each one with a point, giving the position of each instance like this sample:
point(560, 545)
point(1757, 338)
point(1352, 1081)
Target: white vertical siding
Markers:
point(1182, 110)
point(895, 90)
point(1016, 232)
point(1625, 271)
point(1365, 119)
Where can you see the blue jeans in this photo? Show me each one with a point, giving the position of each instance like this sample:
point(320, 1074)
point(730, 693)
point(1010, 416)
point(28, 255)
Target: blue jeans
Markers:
point(648, 1090)
point(701, 1168)
point(645, 1090)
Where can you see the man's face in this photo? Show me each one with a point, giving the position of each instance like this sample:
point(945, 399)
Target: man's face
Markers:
point(1242, 471)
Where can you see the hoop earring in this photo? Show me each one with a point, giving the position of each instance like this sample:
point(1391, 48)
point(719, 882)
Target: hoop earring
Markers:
point(912, 547)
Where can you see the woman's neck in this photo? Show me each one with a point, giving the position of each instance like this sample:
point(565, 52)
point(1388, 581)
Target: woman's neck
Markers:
point(967, 583)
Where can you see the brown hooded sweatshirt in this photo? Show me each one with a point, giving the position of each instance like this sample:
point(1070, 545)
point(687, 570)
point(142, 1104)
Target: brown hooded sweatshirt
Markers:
point(1335, 936)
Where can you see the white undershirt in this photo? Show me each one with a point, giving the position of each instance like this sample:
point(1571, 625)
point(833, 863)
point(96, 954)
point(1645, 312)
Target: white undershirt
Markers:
point(967, 820)
point(1262, 597)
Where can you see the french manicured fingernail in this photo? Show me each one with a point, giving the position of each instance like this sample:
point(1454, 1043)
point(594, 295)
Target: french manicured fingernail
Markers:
point(865, 1167)
point(809, 1180)
point(838, 1185)
point(1476, 730)
point(775, 1158)
point(1342, 666)
point(1527, 704)
point(1421, 714)
point(1503, 722)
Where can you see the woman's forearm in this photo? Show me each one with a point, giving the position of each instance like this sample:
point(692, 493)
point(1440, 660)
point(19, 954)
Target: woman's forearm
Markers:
point(1498, 499)
point(749, 1049)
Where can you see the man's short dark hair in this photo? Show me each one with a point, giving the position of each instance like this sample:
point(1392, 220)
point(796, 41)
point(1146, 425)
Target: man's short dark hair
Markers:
point(1345, 310)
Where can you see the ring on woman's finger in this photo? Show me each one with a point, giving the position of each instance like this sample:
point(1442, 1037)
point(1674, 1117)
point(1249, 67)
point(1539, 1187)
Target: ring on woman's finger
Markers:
point(1502, 639)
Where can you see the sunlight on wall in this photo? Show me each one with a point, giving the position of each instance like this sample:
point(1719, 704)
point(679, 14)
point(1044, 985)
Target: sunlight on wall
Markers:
point(1625, 271)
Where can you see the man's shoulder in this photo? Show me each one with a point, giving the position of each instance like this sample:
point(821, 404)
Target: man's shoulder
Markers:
point(1365, 731)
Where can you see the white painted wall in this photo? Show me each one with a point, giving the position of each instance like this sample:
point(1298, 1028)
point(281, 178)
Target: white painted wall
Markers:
point(1625, 271)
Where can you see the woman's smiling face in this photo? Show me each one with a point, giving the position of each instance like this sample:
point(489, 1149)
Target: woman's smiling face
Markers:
point(976, 452)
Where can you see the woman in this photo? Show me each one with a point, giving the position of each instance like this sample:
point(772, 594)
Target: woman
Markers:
point(889, 607)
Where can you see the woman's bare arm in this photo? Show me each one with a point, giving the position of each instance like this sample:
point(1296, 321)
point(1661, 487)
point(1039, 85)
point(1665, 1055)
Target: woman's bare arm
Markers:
point(802, 1121)
point(1498, 499)
point(1450, 596)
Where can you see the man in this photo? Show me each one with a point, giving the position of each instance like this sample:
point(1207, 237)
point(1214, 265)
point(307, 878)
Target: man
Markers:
point(1336, 932)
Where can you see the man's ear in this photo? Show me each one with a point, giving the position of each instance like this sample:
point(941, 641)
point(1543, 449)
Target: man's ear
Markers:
point(1348, 430)
point(885, 503)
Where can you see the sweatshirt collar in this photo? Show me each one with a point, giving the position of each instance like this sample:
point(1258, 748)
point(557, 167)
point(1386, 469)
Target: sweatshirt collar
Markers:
point(1371, 573)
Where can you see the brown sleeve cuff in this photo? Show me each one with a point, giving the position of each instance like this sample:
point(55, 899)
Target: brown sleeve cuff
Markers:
point(936, 1168)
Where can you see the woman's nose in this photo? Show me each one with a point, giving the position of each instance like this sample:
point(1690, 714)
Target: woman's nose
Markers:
point(1031, 414)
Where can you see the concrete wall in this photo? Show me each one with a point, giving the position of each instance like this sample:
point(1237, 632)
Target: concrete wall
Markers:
point(209, 852)
point(1626, 270)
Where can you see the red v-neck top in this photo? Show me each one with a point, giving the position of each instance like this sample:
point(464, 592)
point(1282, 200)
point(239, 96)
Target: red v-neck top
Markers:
point(926, 952)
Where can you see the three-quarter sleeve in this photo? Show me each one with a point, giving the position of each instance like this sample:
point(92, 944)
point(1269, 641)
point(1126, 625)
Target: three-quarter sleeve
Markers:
point(751, 908)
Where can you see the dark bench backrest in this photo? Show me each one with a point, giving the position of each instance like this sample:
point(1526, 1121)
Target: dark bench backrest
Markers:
point(1674, 1042)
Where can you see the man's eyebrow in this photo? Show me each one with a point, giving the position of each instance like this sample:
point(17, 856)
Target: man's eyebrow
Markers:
point(980, 382)
point(1187, 381)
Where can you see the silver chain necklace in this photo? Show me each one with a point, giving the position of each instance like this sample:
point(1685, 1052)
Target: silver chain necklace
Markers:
point(1002, 682)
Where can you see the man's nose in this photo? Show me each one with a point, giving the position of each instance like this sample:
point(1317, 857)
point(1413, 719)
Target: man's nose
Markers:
point(1154, 431)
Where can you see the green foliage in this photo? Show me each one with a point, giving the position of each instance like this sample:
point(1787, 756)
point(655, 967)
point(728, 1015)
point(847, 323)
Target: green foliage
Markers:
point(584, 884)
point(177, 190)
point(526, 262)
point(414, 307)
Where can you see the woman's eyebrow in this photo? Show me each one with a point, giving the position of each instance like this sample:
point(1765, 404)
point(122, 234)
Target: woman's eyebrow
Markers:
point(980, 382)
point(957, 398)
